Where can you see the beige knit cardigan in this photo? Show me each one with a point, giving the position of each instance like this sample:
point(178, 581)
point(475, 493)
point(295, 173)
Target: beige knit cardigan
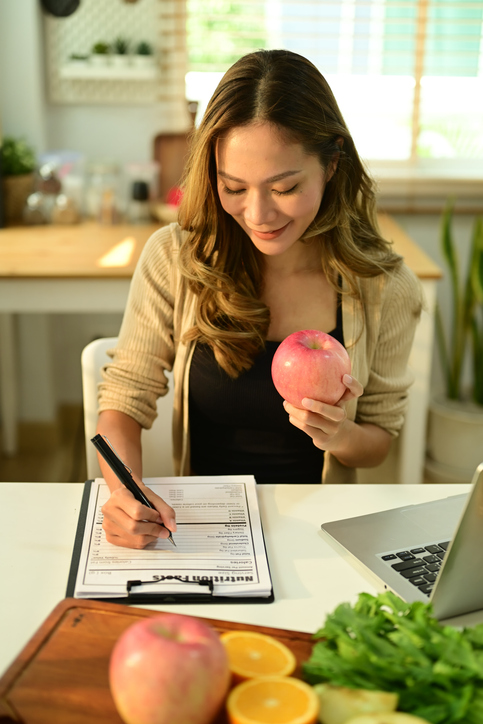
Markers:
point(378, 334)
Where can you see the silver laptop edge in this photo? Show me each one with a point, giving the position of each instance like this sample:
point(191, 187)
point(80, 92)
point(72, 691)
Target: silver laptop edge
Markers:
point(459, 519)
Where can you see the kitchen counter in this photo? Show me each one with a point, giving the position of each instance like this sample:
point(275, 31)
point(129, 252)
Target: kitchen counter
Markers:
point(82, 250)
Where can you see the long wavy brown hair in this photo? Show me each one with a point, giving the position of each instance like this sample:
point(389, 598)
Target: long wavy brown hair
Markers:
point(222, 265)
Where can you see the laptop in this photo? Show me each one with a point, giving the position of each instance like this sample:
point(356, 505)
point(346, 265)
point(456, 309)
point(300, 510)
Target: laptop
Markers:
point(430, 552)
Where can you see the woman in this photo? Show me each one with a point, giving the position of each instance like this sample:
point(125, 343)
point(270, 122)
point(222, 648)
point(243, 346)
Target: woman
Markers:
point(277, 233)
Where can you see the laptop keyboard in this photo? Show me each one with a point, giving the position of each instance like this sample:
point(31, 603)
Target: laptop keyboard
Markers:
point(420, 566)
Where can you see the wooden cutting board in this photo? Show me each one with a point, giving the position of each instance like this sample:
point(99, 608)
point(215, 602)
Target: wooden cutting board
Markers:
point(61, 676)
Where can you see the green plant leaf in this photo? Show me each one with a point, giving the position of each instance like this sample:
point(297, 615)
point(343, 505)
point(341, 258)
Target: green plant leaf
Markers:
point(443, 351)
point(477, 261)
point(447, 245)
point(17, 157)
point(121, 46)
point(101, 48)
point(386, 644)
point(144, 48)
point(475, 309)
point(455, 350)
point(477, 341)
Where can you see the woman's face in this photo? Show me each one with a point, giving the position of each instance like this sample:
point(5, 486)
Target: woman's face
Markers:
point(271, 187)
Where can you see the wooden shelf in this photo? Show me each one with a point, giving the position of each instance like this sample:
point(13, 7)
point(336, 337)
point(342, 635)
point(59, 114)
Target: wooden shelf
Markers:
point(85, 71)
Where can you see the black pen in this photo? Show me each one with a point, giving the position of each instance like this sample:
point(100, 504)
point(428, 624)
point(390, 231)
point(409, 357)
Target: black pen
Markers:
point(123, 472)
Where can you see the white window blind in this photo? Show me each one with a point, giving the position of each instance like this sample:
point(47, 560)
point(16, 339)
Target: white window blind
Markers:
point(407, 74)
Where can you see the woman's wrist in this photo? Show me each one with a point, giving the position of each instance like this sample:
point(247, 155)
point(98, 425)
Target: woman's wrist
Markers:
point(361, 445)
point(344, 447)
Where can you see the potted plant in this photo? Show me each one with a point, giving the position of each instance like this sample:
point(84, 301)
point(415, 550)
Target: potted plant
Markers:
point(120, 55)
point(100, 53)
point(78, 59)
point(455, 426)
point(18, 165)
point(144, 56)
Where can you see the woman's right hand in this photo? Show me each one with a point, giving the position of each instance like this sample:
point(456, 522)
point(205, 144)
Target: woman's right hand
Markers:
point(131, 524)
point(127, 522)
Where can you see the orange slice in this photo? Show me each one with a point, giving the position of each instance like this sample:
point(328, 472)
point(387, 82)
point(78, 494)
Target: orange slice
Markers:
point(273, 700)
point(253, 654)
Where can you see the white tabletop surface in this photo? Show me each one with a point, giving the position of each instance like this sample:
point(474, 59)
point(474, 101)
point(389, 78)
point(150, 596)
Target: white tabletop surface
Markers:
point(38, 523)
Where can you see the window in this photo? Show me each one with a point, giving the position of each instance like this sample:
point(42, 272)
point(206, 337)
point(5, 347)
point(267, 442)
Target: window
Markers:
point(407, 74)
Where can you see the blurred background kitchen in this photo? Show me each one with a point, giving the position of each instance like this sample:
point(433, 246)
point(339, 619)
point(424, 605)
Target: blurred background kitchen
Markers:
point(97, 98)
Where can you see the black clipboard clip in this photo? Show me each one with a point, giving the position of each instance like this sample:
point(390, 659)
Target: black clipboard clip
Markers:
point(208, 583)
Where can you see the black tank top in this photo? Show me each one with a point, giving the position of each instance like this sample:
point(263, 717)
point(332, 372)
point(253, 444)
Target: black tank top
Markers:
point(240, 426)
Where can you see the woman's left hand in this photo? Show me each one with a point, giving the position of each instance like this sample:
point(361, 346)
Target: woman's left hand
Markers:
point(327, 425)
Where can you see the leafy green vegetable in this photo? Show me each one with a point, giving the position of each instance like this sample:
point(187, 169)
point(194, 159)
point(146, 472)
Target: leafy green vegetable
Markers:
point(386, 644)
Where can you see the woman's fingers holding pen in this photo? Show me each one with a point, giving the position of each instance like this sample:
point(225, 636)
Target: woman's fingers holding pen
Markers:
point(131, 524)
point(166, 514)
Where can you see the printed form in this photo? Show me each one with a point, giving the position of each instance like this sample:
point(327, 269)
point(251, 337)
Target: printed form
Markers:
point(219, 542)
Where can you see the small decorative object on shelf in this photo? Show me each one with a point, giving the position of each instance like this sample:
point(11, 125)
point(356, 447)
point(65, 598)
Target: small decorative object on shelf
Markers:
point(79, 60)
point(113, 62)
point(144, 48)
point(100, 53)
point(112, 74)
point(144, 56)
point(120, 55)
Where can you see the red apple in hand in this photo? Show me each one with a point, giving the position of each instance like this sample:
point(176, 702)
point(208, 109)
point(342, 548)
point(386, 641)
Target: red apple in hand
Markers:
point(310, 364)
point(169, 669)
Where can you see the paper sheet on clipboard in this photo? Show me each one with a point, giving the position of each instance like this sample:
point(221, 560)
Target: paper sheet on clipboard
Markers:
point(219, 541)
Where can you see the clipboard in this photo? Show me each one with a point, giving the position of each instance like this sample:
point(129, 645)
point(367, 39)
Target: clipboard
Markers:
point(135, 598)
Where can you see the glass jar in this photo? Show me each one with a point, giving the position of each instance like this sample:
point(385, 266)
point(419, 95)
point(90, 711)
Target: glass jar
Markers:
point(102, 191)
point(65, 210)
point(34, 211)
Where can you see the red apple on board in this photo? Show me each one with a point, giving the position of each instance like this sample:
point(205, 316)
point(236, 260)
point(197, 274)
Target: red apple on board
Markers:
point(169, 669)
point(310, 364)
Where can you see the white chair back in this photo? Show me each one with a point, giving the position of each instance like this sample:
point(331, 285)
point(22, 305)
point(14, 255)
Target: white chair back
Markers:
point(156, 442)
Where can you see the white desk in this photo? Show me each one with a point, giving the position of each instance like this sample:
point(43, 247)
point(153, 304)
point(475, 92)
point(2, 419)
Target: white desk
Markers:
point(38, 523)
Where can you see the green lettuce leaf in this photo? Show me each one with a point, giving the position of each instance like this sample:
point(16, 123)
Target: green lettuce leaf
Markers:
point(386, 644)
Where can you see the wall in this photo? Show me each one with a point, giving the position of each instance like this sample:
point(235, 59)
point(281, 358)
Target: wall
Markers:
point(22, 91)
point(50, 347)
point(123, 132)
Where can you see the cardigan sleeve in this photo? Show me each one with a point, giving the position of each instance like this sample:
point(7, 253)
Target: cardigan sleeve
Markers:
point(135, 378)
point(390, 335)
